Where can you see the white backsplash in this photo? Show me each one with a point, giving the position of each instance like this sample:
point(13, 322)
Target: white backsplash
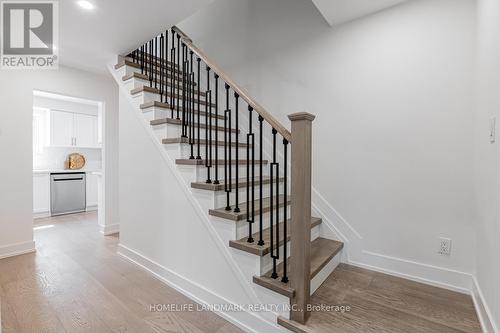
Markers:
point(52, 158)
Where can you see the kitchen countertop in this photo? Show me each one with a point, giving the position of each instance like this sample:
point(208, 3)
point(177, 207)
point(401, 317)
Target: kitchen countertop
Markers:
point(95, 171)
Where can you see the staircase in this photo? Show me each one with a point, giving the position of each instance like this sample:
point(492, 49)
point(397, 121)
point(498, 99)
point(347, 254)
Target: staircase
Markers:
point(243, 166)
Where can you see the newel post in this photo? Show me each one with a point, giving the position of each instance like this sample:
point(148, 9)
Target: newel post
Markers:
point(301, 160)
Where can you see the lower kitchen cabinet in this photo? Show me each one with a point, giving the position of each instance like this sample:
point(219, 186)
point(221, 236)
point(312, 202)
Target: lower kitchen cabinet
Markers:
point(41, 193)
point(92, 190)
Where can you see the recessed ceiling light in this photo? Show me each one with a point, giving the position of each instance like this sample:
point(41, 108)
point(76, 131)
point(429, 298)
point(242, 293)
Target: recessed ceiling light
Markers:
point(86, 4)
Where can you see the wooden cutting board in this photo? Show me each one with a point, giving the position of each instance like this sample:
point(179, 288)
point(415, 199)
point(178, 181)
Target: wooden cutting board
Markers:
point(75, 161)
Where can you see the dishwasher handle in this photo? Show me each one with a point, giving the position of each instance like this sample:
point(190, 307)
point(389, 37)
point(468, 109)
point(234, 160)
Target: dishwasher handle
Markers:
point(66, 179)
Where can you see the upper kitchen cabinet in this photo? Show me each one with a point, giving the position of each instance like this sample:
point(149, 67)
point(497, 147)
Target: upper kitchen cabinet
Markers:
point(69, 129)
point(85, 127)
point(61, 128)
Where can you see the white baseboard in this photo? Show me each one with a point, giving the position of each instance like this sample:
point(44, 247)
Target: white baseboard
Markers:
point(247, 321)
point(416, 271)
point(357, 255)
point(17, 249)
point(110, 229)
point(41, 214)
point(482, 309)
point(91, 208)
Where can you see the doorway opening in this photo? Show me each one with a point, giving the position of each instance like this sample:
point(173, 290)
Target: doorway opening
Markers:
point(68, 159)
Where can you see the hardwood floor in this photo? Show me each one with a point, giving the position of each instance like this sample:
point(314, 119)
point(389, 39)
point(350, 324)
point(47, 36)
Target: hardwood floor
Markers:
point(382, 303)
point(76, 282)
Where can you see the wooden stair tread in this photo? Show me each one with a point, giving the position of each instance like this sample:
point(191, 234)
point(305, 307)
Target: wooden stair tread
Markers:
point(130, 63)
point(156, 64)
point(144, 77)
point(242, 215)
point(202, 142)
point(146, 55)
point(163, 105)
point(152, 90)
point(187, 161)
point(174, 121)
point(242, 183)
point(262, 250)
point(322, 251)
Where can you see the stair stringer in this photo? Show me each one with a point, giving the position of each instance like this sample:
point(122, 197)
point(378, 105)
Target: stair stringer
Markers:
point(241, 265)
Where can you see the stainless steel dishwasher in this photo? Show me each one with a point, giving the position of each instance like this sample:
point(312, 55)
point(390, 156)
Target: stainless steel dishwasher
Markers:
point(67, 193)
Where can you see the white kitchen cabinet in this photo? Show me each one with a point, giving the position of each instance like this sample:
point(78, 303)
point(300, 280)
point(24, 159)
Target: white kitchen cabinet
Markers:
point(85, 129)
point(73, 129)
point(61, 128)
point(92, 191)
point(41, 194)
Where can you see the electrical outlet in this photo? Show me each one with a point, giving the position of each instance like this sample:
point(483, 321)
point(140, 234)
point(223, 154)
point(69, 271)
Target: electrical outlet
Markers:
point(444, 246)
point(493, 125)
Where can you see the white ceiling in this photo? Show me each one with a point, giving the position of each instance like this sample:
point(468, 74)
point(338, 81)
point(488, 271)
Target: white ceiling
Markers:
point(337, 12)
point(91, 39)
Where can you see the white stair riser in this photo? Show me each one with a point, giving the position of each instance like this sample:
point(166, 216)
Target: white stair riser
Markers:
point(154, 112)
point(170, 131)
point(183, 150)
point(325, 272)
point(202, 172)
point(218, 198)
point(138, 83)
point(150, 97)
point(242, 226)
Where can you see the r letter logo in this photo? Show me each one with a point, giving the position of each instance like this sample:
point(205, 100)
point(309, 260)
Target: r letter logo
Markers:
point(29, 34)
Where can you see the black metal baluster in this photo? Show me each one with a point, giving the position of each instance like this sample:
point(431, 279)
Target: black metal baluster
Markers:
point(274, 173)
point(172, 74)
point(161, 60)
point(183, 97)
point(198, 156)
point(261, 197)
point(188, 93)
point(216, 181)
point(150, 63)
point(172, 86)
point(141, 55)
point(208, 161)
point(208, 128)
point(155, 58)
point(284, 279)
point(236, 192)
point(227, 151)
point(250, 185)
point(191, 104)
point(166, 66)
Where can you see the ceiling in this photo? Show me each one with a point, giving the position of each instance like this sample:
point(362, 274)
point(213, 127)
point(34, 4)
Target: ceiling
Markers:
point(90, 39)
point(337, 12)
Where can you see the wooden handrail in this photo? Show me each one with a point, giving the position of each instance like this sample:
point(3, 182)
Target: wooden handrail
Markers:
point(242, 93)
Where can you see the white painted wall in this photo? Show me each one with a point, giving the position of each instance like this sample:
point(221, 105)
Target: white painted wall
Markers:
point(164, 228)
point(393, 141)
point(487, 170)
point(16, 112)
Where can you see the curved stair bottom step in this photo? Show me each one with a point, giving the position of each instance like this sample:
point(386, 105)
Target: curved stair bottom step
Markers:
point(324, 259)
